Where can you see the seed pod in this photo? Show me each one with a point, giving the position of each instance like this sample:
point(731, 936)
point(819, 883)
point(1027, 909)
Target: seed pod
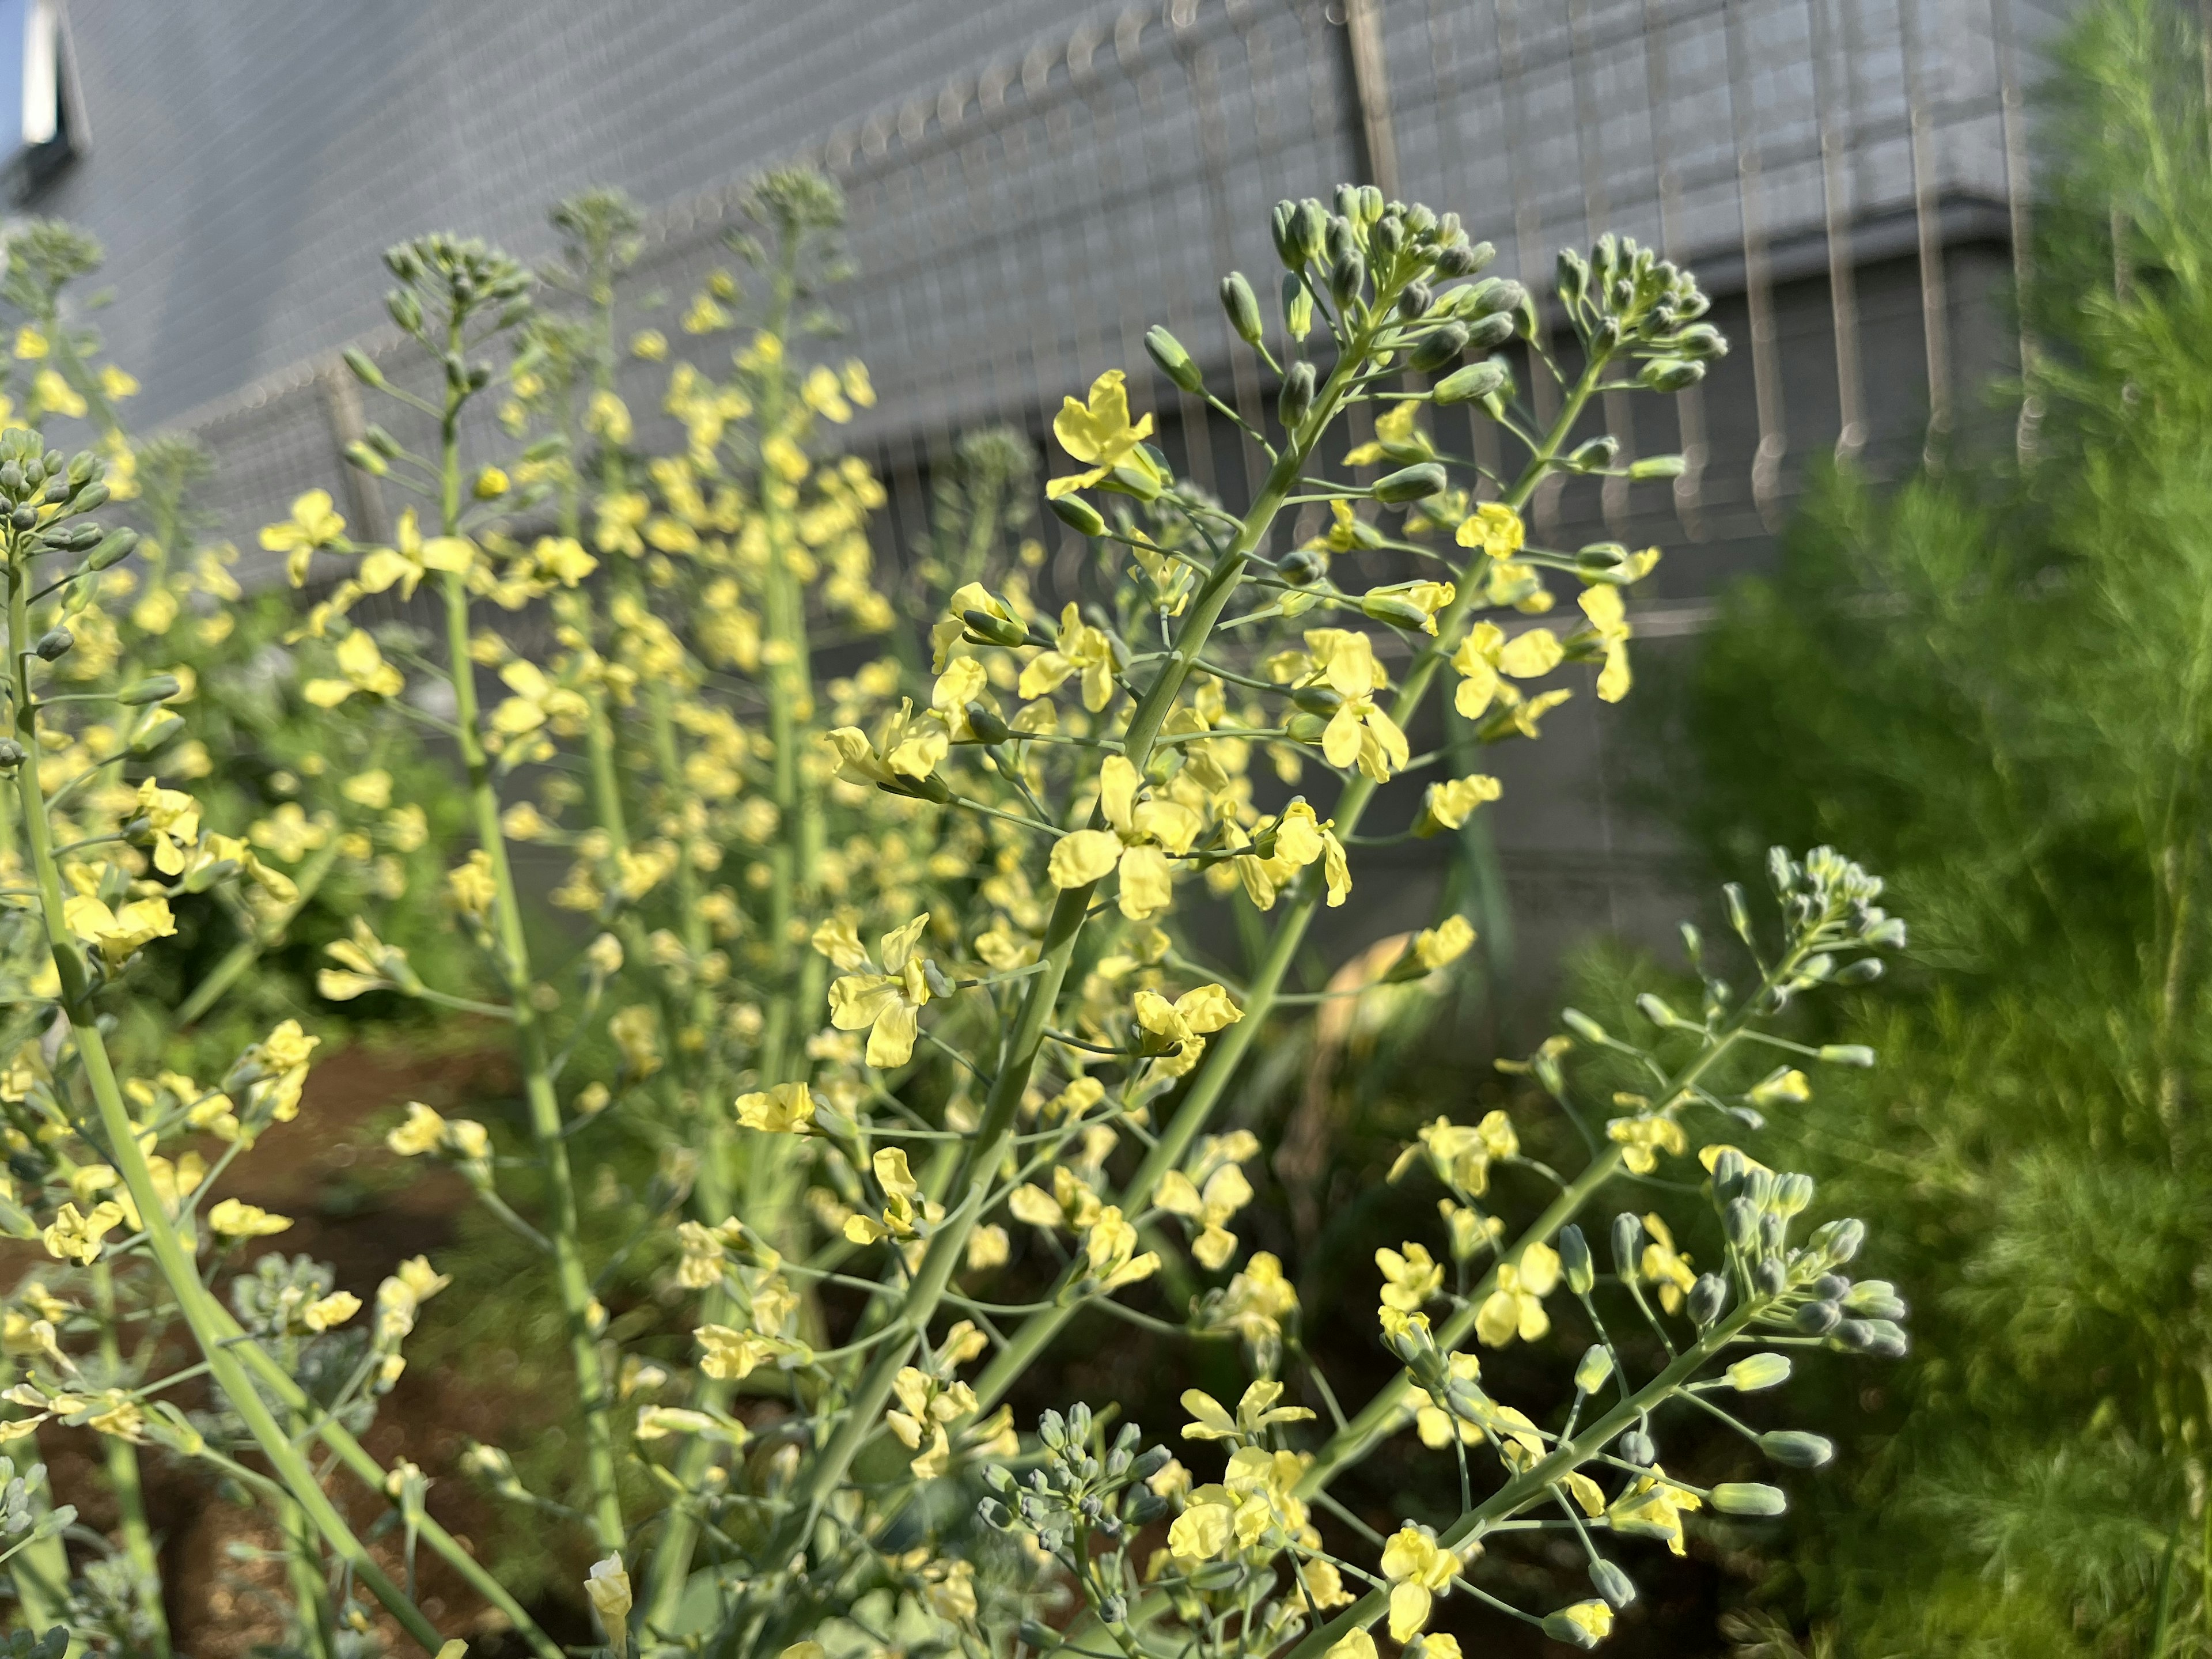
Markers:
point(1708, 1299)
point(1174, 362)
point(1793, 1448)
point(54, 643)
point(986, 724)
point(1296, 400)
point(1670, 375)
point(1610, 1582)
point(1574, 1260)
point(1748, 1497)
point(154, 688)
point(1242, 306)
point(1636, 1446)
point(1464, 385)
point(1442, 346)
point(1627, 1242)
point(1409, 484)
point(1078, 515)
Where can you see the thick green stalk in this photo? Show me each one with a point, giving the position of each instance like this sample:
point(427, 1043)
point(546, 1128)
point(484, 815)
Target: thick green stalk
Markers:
point(194, 1304)
point(1018, 1053)
point(595, 1397)
point(123, 1471)
point(1225, 1052)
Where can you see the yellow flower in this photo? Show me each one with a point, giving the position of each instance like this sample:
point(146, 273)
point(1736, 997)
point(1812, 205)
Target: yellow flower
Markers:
point(1109, 1248)
point(1460, 1155)
point(314, 524)
point(1442, 944)
point(425, 1131)
point(30, 343)
point(1641, 1139)
point(1407, 604)
point(786, 1108)
point(1449, 805)
point(1410, 1278)
point(1515, 1308)
point(1081, 649)
point(235, 1219)
point(636, 1031)
point(1397, 438)
point(75, 1235)
point(1664, 1266)
point(886, 1004)
point(1609, 625)
point(1256, 1413)
point(1486, 655)
point(904, 1203)
point(1438, 1427)
point(1145, 834)
point(1359, 732)
point(1418, 1568)
point(1226, 1192)
point(1653, 1507)
point(174, 819)
point(363, 669)
point(117, 933)
point(1176, 1031)
point(1099, 433)
point(471, 886)
point(1586, 1623)
point(332, 1310)
point(1495, 528)
point(608, 1588)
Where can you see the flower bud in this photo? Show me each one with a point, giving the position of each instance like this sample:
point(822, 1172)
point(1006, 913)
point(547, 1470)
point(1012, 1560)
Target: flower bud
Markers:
point(1302, 566)
point(55, 642)
point(1415, 301)
point(1628, 1243)
point(1574, 1260)
point(1670, 375)
point(1771, 1275)
point(1598, 452)
point(1443, 345)
point(1839, 1241)
point(1700, 342)
point(994, 1515)
point(1242, 306)
point(1346, 277)
point(1756, 1371)
point(1847, 1053)
point(1078, 515)
point(1487, 333)
point(150, 736)
point(1464, 385)
point(11, 754)
point(1656, 466)
point(154, 688)
point(1748, 1497)
point(1296, 400)
point(1041, 1637)
point(1793, 1448)
point(1818, 1318)
point(1174, 362)
point(986, 724)
point(1739, 1220)
point(1283, 226)
point(364, 369)
point(1610, 1582)
point(1636, 1446)
point(1311, 231)
point(1708, 1299)
point(1411, 484)
point(988, 630)
point(1114, 1610)
point(1297, 306)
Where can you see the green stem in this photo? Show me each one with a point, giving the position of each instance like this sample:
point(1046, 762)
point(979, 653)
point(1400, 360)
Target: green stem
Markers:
point(512, 957)
point(123, 1470)
point(194, 1304)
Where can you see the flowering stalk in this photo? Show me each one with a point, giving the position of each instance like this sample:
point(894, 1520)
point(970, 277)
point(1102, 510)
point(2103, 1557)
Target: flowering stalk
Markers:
point(510, 954)
point(120, 1135)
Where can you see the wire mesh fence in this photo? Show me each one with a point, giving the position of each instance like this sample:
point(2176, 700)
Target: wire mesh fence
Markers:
point(1847, 177)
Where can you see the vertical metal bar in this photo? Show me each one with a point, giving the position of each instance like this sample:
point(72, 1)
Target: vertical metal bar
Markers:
point(1201, 74)
point(1597, 214)
point(1835, 205)
point(1451, 158)
point(1758, 293)
point(1528, 231)
point(1371, 82)
point(1690, 405)
point(2013, 127)
point(1934, 316)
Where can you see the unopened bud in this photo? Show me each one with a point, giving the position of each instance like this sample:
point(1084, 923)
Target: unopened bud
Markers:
point(1078, 515)
point(1242, 306)
point(1748, 1497)
point(1465, 385)
point(1174, 362)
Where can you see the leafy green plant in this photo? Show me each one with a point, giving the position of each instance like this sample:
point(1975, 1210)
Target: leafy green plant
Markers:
point(888, 1044)
point(1993, 680)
